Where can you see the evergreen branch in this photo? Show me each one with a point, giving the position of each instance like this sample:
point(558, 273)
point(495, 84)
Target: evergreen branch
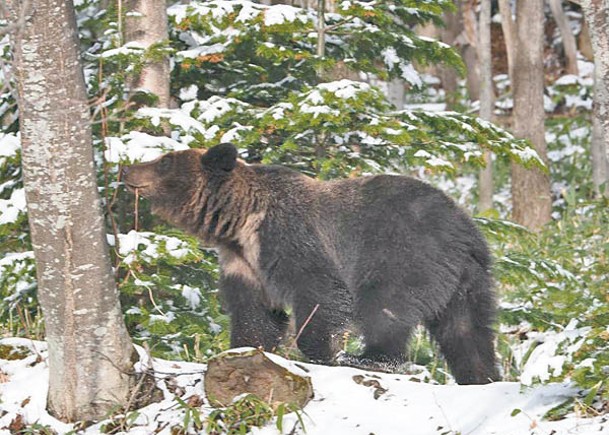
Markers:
point(329, 29)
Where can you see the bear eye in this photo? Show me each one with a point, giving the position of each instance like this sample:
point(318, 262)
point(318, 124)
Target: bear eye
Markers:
point(164, 164)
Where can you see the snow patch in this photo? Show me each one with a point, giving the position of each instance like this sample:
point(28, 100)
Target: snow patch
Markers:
point(130, 246)
point(10, 209)
point(345, 88)
point(410, 75)
point(545, 362)
point(138, 146)
point(10, 143)
point(132, 47)
point(175, 117)
point(390, 57)
point(192, 295)
point(280, 14)
point(189, 93)
point(342, 405)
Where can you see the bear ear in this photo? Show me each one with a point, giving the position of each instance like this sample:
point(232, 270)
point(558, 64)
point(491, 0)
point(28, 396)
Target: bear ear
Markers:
point(223, 156)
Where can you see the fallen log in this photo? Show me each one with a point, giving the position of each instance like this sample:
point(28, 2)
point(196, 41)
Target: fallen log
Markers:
point(236, 372)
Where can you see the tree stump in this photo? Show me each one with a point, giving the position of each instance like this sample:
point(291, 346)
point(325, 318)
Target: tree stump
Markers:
point(233, 373)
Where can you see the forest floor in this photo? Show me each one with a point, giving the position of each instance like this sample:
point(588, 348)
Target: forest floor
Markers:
point(344, 403)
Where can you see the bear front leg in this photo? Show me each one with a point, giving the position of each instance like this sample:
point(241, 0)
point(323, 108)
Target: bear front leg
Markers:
point(321, 319)
point(254, 322)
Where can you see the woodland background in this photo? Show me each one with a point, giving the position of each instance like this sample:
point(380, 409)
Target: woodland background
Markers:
point(495, 103)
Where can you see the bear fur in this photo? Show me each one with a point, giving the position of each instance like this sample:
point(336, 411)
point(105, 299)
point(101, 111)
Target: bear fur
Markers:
point(381, 254)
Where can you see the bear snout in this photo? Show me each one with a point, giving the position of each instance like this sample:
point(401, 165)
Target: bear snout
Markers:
point(132, 178)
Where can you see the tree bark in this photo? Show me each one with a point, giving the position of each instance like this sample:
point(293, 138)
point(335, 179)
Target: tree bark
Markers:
point(469, 48)
point(485, 179)
point(583, 41)
point(460, 32)
point(568, 38)
point(509, 33)
point(431, 31)
point(597, 17)
point(531, 199)
point(448, 75)
point(395, 93)
point(90, 352)
point(146, 23)
point(600, 163)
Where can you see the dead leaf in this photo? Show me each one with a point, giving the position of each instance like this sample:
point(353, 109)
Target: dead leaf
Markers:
point(195, 401)
point(17, 424)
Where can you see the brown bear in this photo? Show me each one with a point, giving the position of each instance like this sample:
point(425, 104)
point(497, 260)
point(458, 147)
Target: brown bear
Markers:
point(380, 254)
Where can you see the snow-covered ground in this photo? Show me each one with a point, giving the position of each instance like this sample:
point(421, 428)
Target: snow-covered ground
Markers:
point(386, 405)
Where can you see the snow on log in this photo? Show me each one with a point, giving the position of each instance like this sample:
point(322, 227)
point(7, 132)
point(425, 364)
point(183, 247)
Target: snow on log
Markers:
point(236, 372)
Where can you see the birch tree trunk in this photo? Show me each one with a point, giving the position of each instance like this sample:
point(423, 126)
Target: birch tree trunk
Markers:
point(90, 352)
point(485, 179)
point(531, 199)
point(600, 163)
point(146, 24)
point(568, 38)
point(597, 17)
point(395, 93)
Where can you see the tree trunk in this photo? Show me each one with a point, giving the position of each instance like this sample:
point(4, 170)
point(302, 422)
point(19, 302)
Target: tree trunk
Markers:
point(469, 48)
point(395, 93)
point(321, 33)
point(146, 23)
point(509, 33)
point(598, 154)
point(531, 199)
point(429, 30)
point(460, 32)
point(583, 41)
point(448, 75)
point(597, 17)
point(90, 352)
point(485, 179)
point(568, 39)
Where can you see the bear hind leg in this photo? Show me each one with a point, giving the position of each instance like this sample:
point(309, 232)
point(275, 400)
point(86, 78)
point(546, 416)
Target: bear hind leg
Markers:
point(386, 332)
point(463, 331)
point(385, 343)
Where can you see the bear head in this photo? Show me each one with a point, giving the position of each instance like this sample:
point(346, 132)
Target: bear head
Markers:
point(178, 183)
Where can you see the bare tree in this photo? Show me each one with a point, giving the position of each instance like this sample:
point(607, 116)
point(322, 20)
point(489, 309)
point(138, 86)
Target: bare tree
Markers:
point(597, 17)
point(531, 199)
point(146, 24)
point(90, 352)
point(485, 179)
point(568, 38)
